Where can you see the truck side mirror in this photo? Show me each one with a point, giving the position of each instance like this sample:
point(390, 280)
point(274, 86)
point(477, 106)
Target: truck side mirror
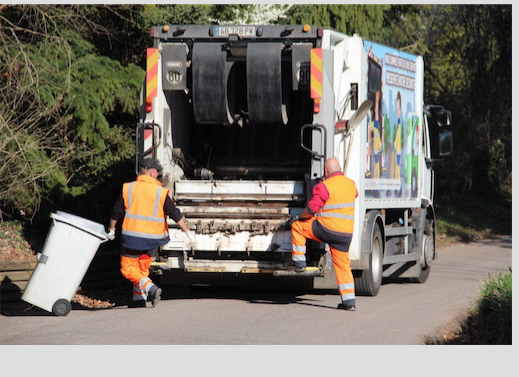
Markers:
point(440, 125)
point(445, 143)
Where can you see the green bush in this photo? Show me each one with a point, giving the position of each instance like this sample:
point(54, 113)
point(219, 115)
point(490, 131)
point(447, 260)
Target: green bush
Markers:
point(489, 322)
point(493, 314)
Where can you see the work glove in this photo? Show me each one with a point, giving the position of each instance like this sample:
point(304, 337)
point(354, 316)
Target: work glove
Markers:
point(111, 234)
point(190, 235)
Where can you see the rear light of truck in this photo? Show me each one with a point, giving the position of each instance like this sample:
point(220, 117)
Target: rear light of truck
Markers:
point(148, 104)
point(317, 105)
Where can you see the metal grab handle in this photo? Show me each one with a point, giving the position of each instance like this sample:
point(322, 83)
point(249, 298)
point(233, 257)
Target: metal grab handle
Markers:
point(318, 127)
point(140, 128)
point(152, 126)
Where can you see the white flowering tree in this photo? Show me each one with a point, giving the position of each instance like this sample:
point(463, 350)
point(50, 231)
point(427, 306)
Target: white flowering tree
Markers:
point(252, 14)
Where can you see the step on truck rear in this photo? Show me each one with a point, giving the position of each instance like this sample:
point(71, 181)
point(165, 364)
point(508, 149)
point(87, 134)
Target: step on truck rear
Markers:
point(242, 119)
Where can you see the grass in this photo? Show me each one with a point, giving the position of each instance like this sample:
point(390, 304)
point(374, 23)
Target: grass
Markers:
point(490, 321)
point(464, 218)
point(493, 314)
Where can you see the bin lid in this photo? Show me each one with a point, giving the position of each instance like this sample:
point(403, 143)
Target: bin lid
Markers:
point(86, 225)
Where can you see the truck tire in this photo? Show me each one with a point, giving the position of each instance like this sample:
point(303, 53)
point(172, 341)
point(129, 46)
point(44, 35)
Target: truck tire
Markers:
point(370, 280)
point(426, 259)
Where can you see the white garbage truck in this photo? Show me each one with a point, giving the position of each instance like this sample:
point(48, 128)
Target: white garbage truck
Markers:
point(242, 119)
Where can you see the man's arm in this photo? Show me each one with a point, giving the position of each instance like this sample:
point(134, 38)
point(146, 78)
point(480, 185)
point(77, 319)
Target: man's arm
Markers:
point(116, 214)
point(172, 211)
point(305, 214)
point(112, 225)
point(182, 224)
point(320, 195)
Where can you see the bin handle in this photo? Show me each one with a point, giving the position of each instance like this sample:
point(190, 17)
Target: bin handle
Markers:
point(103, 236)
point(42, 258)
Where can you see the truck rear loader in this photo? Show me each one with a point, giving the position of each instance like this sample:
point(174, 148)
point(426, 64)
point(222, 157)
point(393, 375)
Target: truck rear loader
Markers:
point(242, 119)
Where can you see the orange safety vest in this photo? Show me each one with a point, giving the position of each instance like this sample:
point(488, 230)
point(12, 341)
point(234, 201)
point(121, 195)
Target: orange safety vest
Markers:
point(337, 214)
point(144, 226)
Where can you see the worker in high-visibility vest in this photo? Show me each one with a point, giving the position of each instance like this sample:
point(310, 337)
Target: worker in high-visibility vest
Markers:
point(144, 207)
point(329, 217)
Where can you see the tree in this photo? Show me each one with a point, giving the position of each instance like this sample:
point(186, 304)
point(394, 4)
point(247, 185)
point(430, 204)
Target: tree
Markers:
point(487, 59)
point(122, 32)
point(56, 95)
point(245, 14)
point(469, 68)
point(467, 56)
point(363, 19)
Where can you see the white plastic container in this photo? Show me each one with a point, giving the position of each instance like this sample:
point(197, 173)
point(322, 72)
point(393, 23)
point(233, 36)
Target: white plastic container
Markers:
point(71, 244)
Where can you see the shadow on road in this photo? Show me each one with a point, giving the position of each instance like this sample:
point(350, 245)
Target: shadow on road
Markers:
point(119, 296)
point(281, 296)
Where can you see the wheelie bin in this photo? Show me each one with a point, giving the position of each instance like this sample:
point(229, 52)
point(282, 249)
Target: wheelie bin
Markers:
point(69, 248)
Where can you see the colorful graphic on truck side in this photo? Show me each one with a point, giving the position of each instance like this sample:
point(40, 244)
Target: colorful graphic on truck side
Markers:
point(393, 132)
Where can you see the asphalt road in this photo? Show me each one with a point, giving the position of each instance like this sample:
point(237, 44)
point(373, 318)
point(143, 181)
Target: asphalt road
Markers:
point(401, 314)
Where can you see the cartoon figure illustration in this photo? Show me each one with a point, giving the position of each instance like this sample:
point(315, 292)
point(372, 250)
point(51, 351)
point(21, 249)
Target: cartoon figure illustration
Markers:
point(375, 125)
point(397, 143)
point(393, 128)
point(387, 147)
point(412, 151)
point(376, 138)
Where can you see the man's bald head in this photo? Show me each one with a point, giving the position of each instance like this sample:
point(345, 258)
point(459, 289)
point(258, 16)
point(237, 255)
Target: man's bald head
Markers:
point(332, 166)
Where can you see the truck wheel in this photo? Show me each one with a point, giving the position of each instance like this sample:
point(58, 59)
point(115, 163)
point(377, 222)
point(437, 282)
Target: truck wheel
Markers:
point(426, 259)
point(370, 280)
point(61, 307)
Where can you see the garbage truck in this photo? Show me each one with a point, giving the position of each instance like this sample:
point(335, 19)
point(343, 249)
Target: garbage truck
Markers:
point(242, 119)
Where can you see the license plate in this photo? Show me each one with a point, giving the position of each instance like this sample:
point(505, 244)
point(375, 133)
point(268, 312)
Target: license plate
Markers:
point(244, 31)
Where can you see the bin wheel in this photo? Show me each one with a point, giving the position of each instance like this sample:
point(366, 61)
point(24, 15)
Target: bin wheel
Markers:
point(61, 307)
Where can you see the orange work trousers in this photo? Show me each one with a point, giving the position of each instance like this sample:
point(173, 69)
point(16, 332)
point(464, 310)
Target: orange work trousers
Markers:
point(301, 231)
point(137, 269)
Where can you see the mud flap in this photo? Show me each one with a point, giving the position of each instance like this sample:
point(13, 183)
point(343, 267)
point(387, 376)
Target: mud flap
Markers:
point(264, 84)
point(210, 75)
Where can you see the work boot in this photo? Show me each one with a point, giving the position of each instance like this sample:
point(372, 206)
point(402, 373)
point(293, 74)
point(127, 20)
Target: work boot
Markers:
point(154, 295)
point(295, 268)
point(137, 304)
point(346, 307)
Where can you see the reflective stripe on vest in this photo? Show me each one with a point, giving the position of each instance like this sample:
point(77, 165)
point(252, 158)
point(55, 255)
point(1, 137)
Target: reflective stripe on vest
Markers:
point(337, 214)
